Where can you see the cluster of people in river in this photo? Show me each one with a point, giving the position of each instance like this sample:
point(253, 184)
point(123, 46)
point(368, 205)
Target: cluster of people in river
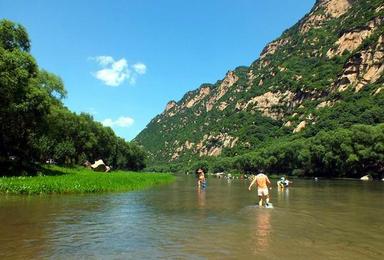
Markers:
point(261, 180)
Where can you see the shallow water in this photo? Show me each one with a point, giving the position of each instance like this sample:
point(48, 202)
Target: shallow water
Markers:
point(310, 220)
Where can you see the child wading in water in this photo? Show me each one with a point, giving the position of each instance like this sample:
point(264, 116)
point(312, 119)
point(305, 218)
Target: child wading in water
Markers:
point(262, 182)
point(200, 178)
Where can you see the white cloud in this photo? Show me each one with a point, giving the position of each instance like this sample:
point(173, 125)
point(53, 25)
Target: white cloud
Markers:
point(104, 60)
point(120, 122)
point(114, 73)
point(140, 68)
point(120, 65)
point(107, 122)
point(112, 77)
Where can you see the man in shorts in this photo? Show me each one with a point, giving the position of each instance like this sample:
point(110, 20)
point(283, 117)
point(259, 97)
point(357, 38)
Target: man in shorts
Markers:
point(262, 182)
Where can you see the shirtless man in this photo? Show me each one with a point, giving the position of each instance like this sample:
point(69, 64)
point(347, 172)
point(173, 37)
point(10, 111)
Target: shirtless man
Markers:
point(262, 182)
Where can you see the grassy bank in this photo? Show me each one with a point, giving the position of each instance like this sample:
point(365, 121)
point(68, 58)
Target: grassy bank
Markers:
point(54, 179)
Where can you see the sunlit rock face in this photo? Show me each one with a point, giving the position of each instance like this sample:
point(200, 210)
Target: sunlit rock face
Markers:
point(337, 46)
point(365, 67)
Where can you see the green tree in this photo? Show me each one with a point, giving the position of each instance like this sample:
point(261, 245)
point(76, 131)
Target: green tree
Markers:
point(35, 125)
point(23, 105)
point(13, 36)
point(64, 152)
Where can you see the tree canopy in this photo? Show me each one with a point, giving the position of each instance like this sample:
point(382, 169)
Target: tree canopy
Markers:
point(35, 125)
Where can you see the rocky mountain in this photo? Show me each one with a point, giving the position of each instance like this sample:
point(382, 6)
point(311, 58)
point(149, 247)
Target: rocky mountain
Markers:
point(325, 72)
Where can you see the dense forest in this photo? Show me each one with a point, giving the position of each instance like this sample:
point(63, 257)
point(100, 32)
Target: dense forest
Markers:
point(312, 104)
point(35, 126)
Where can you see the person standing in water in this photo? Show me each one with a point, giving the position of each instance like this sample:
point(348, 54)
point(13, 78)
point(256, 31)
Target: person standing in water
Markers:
point(262, 182)
point(200, 178)
point(283, 182)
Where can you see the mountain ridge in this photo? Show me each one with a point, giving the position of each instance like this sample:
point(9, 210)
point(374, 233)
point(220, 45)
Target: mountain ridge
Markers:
point(298, 83)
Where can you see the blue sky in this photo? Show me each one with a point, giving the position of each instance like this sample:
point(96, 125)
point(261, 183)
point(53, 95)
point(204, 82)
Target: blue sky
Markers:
point(122, 61)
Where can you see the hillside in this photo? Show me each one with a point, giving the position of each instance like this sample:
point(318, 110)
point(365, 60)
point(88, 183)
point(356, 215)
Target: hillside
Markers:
point(322, 74)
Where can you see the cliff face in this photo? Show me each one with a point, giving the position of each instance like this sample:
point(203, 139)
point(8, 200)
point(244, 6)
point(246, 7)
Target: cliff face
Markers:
point(337, 48)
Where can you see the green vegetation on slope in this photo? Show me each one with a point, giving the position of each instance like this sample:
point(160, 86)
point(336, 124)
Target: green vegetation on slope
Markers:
point(306, 79)
point(352, 152)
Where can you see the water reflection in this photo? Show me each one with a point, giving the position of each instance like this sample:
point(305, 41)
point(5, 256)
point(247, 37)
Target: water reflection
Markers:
point(283, 194)
point(167, 221)
point(200, 197)
point(260, 231)
point(35, 226)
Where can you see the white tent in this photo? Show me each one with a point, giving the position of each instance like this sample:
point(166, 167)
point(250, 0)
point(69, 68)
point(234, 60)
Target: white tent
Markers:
point(99, 166)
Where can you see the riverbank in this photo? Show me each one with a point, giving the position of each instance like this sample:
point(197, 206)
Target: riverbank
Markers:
point(60, 180)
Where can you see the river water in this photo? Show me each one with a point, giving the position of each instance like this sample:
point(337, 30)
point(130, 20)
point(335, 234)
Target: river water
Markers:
point(310, 220)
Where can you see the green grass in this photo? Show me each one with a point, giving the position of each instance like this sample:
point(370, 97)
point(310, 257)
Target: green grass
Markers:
point(59, 180)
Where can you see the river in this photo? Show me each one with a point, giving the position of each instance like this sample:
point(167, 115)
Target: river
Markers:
point(327, 219)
